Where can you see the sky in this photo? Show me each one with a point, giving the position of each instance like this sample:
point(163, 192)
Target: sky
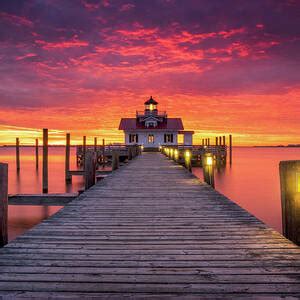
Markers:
point(78, 66)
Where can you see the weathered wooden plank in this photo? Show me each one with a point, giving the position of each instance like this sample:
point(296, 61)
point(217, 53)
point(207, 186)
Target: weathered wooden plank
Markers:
point(41, 199)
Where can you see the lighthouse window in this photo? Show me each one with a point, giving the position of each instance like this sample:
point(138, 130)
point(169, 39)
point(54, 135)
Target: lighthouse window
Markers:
point(133, 138)
point(150, 138)
point(168, 138)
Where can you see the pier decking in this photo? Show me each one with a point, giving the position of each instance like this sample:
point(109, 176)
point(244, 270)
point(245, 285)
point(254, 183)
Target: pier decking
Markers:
point(150, 230)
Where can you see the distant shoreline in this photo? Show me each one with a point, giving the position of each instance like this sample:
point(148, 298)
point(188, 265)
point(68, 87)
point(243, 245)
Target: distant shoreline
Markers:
point(59, 146)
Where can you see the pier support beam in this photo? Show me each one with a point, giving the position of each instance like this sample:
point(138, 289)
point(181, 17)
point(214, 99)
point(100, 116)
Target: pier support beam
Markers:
point(18, 154)
point(83, 150)
point(3, 204)
point(95, 144)
point(36, 154)
point(45, 160)
point(115, 160)
point(103, 152)
point(89, 169)
point(68, 176)
point(290, 199)
point(230, 149)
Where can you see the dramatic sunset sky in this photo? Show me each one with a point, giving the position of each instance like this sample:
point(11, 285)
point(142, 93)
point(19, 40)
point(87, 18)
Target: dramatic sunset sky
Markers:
point(224, 66)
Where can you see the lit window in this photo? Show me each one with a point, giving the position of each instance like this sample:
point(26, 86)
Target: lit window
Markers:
point(150, 138)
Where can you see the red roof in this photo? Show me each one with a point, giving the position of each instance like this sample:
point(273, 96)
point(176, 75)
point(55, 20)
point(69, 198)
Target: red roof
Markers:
point(169, 124)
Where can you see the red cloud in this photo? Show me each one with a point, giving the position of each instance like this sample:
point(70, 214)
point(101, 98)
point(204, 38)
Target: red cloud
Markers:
point(17, 20)
point(61, 45)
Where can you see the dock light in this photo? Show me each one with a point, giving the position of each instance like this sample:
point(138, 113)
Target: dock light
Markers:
point(171, 152)
point(142, 147)
point(176, 154)
point(187, 154)
point(209, 161)
point(298, 182)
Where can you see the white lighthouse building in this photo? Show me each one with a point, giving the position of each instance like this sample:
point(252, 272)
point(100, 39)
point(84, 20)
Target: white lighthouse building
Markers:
point(152, 128)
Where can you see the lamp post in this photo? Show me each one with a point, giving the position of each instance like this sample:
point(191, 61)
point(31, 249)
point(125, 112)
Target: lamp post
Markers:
point(208, 164)
point(188, 160)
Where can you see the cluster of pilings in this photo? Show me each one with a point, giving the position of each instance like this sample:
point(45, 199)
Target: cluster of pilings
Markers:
point(101, 155)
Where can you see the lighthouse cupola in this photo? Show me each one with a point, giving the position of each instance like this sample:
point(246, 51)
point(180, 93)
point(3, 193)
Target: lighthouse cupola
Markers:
point(151, 106)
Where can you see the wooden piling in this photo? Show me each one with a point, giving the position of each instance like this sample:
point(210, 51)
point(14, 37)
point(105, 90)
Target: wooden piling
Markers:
point(95, 144)
point(208, 142)
point(18, 154)
point(224, 140)
point(217, 141)
point(83, 150)
point(290, 199)
point(3, 204)
point(36, 154)
point(208, 169)
point(45, 160)
point(230, 149)
point(103, 152)
point(68, 176)
point(129, 149)
point(115, 160)
point(89, 169)
point(202, 142)
point(220, 140)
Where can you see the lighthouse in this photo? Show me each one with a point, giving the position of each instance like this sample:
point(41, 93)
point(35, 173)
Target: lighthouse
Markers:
point(152, 128)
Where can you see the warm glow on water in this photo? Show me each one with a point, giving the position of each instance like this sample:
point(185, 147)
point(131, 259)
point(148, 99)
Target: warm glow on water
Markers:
point(252, 182)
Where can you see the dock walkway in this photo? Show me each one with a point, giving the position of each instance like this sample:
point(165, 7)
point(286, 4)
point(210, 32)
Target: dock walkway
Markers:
point(150, 230)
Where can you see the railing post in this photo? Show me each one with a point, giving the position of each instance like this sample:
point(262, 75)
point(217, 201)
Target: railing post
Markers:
point(18, 154)
point(3, 204)
point(68, 176)
point(217, 141)
point(290, 199)
point(129, 152)
point(89, 169)
point(36, 154)
point(208, 169)
point(45, 160)
point(115, 160)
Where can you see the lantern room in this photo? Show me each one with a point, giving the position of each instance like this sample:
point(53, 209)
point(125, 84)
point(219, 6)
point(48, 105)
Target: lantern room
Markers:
point(151, 105)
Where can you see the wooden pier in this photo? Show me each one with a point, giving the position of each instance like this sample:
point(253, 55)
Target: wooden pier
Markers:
point(150, 230)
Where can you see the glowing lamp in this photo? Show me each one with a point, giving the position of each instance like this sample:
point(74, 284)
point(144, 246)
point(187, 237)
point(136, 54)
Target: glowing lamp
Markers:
point(187, 154)
point(209, 160)
point(142, 147)
point(151, 106)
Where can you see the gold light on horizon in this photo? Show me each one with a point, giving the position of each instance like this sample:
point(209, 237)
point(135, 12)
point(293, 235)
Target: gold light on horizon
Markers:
point(298, 182)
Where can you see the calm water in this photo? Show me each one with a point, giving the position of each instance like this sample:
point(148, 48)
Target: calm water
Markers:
point(29, 181)
point(252, 182)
